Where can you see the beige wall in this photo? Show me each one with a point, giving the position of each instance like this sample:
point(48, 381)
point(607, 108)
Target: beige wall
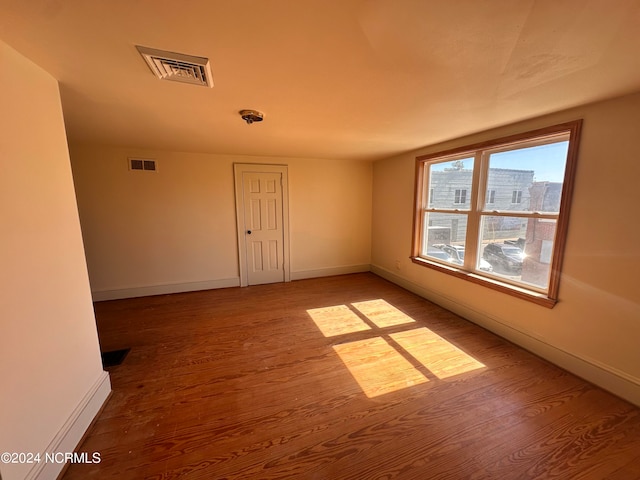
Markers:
point(175, 229)
point(595, 327)
point(49, 356)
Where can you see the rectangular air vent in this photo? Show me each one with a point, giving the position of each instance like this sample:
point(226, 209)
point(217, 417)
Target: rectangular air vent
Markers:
point(177, 67)
point(142, 164)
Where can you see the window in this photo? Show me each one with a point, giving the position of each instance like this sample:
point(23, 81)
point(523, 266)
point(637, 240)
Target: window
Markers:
point(516, 196)
point(507, 226)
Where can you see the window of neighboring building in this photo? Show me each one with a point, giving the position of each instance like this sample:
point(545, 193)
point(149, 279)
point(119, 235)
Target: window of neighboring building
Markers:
point(516, 196)
point(508, 226)
point(460, 196)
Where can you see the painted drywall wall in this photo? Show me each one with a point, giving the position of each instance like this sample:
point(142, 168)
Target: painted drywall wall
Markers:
point(175, 229)
point(595, 327)
point(49, 355)
point(330, 215)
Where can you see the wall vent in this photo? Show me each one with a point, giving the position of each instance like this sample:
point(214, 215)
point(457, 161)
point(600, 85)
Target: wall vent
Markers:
point(142, 164)
point(177, 67)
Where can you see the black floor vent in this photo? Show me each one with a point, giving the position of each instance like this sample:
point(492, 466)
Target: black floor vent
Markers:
point(114, 357)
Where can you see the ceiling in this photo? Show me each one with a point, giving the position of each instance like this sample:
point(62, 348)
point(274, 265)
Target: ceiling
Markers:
point(358, 79)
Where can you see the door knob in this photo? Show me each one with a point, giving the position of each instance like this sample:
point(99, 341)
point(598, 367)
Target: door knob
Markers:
point(248, 232)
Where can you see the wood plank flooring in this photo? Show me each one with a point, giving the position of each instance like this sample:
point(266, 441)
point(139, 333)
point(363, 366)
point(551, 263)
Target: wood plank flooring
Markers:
point(346, 377)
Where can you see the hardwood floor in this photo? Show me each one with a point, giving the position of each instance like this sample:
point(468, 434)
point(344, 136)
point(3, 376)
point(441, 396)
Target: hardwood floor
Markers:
point(335, 378)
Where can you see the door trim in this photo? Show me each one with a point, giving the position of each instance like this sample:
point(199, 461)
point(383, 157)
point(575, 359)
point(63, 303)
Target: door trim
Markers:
point(238, 170)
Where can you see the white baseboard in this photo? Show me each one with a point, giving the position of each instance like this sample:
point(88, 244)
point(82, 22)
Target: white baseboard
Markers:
point(132, 292)
point(146, 291)
point(71, 433)
point(328, 272)
point(609, 378)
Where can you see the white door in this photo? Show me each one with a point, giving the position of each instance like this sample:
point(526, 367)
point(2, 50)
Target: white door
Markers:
point(261, 224)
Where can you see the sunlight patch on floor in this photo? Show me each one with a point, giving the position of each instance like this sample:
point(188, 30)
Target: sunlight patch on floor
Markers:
point(337, 320)
point(396, 353)
point(382, 313)
point(441, 357)
point(378, 367)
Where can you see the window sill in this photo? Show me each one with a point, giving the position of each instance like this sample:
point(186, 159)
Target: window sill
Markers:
point(518, 292)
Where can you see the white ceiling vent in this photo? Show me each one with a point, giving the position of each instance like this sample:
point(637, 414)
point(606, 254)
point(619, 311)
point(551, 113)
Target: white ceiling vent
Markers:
point(177, 66)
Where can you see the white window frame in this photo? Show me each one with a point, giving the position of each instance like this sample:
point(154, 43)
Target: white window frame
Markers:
point(477, 209)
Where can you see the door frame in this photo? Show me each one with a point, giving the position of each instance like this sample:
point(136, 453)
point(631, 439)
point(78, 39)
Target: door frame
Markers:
point(239, 169)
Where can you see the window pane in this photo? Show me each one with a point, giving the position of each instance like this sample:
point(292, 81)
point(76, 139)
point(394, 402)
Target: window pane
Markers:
point(518, 249)
point(540, 238)
point(527, 179)
point(444, 237)
point(450, 184)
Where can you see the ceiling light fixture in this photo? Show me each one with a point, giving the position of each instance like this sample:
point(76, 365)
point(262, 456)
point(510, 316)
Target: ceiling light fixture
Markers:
point(251, 116)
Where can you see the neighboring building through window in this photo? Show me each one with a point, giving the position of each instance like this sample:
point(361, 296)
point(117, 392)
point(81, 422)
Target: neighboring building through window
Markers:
point(505, 203)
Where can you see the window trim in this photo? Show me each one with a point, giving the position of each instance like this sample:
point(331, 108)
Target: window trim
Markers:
point(548, 299)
